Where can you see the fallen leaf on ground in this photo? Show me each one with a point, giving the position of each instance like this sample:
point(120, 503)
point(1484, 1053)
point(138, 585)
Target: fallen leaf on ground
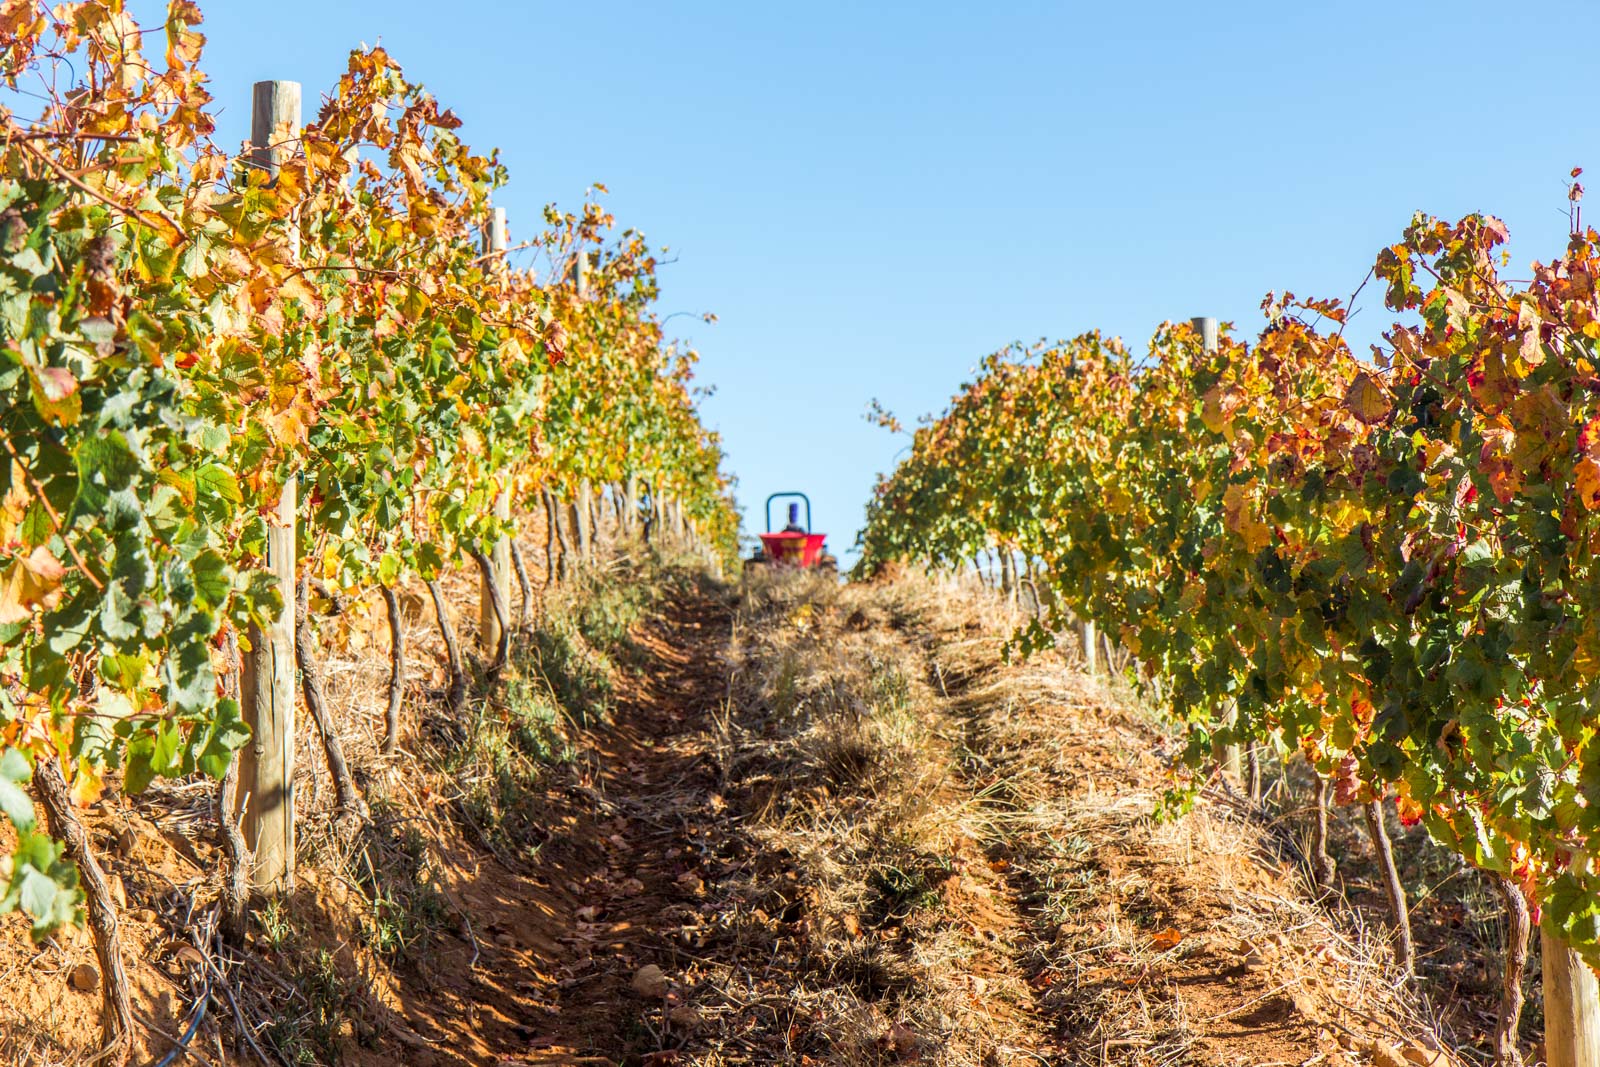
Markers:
point(1166, 939)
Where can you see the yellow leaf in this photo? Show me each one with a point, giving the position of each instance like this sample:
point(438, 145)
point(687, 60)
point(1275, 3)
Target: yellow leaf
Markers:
point(1366, 400)
point(1211, 411)
point(87, 784)
point(13, 506)
point(1236, 507)
point(1586, 480)
point(28, 583)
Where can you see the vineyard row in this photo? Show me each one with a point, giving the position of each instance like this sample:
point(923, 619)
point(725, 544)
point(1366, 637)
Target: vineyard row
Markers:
point(1384, 564)
point(228, 380)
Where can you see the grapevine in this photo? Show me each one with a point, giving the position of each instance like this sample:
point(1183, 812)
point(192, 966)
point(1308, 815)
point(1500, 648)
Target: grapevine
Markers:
point(185, 329)
point(1386, 565)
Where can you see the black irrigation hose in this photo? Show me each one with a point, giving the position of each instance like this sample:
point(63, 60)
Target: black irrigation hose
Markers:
point(182, 1047)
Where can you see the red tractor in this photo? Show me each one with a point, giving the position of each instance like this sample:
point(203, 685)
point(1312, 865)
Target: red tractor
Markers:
point(794, 545)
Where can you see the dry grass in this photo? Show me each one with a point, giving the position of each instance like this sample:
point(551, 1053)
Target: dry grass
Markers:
point(836, 749)
point(882, 844)
point(1165, 941)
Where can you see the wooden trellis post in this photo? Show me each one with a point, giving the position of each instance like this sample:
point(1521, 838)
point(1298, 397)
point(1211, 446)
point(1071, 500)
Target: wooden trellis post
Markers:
point(580, 274)
point(585, 520)
point(1571, 1006)
point(500, 555)
point(266, 764)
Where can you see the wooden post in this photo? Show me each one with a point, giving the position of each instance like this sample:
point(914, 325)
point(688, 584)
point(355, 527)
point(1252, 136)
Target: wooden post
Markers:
point(494, 240)
point(1228, 756)
point(1571, 1006)
point(584, 520)
point(266, 764)
point(580, 274)
point(630, 506)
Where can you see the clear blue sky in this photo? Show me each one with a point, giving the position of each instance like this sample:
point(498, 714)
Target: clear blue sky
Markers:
point(872, 196)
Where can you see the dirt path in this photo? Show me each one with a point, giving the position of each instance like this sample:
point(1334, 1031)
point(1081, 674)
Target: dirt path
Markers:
point(829, 826)
point(546, 973)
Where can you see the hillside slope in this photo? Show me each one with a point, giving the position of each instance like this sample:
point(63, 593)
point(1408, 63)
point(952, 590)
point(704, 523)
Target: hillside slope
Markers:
point(792, 823)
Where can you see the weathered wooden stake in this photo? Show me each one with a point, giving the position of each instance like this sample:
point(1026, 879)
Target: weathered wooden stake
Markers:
point(580, 274)
point(552, 534)
point(266, 764)
point(583, 531)
point(494, 240)
point(1571, 1006)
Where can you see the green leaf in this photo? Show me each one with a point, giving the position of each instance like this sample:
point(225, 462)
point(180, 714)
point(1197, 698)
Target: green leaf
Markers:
point(38, 893)
point(55, 395)
point(215, 480)
point(213, 578)
point(229, 734)
point(164, 754)
point(140, 772)
point(36, 527)
point(17, 805)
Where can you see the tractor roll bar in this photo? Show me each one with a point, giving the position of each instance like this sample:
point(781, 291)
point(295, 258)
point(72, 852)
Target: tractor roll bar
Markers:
point(779, 496)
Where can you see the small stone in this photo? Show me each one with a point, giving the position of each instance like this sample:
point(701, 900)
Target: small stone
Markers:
point(651, 982)
point(1385, 1055)
point(685, 1017)
point(85, 979)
